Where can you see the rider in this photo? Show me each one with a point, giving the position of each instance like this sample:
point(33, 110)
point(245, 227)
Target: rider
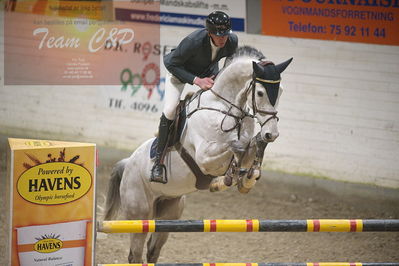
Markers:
point(194, 61)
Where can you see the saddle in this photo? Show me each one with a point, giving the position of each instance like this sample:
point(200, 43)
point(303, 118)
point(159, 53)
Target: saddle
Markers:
point(202, 181)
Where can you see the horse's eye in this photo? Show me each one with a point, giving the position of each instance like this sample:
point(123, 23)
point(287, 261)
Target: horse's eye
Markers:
point(260, 93)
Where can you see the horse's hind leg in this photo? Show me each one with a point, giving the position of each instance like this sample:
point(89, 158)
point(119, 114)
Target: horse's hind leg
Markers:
point(137, 242)
point(136, 205)
point(167, 209)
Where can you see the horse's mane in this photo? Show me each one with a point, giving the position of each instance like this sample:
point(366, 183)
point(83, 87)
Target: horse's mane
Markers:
point(244, 51)
point(250, 51)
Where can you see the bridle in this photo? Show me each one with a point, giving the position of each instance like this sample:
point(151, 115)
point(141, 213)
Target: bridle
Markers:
point(253, 85)
point(242, 113)
point(255, 109)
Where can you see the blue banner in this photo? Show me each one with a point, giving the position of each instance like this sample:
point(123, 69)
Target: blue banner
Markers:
point(172, 19)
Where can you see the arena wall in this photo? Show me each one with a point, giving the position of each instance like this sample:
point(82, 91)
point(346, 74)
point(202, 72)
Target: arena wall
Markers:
point(338, 113)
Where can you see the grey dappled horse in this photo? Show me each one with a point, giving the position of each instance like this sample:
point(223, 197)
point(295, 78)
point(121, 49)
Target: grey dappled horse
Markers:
point(220, 137)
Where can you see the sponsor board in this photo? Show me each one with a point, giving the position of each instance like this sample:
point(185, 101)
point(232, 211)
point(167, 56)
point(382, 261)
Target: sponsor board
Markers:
point(51, 188)
point(73, 8)
point(71, 50)
point(341, 20)
point(184, 13)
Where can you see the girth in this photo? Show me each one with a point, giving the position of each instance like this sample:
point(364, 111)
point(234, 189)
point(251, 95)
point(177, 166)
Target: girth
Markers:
point(202, 181)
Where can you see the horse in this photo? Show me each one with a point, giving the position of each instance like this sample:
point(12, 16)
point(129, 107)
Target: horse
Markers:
point(219, 137)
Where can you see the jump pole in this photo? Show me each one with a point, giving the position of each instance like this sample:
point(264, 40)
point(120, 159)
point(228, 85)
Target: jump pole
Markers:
point(263, 264)
point(249, 225)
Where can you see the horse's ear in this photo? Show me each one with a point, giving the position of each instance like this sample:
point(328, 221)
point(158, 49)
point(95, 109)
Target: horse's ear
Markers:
point(281, 67)
point(258, 70)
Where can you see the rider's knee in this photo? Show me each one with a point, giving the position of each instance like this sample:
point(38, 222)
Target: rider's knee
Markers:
point(169, 112)
point(176, 82)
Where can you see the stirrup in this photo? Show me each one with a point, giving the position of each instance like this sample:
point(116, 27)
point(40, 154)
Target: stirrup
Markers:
point(163, 179)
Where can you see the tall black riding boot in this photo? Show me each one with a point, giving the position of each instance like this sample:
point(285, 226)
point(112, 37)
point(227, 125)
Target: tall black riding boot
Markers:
point(157, 172)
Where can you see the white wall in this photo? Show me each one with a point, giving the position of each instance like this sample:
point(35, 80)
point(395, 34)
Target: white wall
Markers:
point(338, 113)
point(339, 110)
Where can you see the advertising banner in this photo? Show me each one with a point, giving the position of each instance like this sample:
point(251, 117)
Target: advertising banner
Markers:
point(185, 13)
point(83, 9)
point(52, 206)
point(58, 47)
point(366, 21)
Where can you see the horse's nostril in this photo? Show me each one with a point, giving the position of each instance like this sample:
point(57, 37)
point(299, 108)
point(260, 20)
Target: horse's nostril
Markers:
point(268, 135)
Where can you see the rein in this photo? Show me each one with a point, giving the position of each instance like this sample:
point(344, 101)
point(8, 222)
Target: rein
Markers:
point(238, 118)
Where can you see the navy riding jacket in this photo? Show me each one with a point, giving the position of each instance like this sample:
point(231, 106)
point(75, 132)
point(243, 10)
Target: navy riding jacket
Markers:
point(192, 57)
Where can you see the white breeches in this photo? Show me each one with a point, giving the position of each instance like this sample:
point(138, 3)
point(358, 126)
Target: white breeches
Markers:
point(173, 89)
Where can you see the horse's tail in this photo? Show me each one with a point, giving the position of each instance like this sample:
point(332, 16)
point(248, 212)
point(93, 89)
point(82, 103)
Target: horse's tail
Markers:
point(113, 201)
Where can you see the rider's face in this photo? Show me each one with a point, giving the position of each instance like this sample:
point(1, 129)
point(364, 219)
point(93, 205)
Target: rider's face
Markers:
point(219, 41)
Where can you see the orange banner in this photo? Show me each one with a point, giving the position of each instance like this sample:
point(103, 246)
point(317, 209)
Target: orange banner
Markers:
point(367, 21)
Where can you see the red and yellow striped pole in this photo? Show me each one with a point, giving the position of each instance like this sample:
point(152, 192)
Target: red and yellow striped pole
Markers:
point(326, 225)
point(261, 264)
point(249, 225)
point(127, 226)
point(334, 264)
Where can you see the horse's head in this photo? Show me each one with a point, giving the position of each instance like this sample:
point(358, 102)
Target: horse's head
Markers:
point(264, 94)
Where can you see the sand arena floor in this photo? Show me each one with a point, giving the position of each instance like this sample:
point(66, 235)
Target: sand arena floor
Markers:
point(275, 196)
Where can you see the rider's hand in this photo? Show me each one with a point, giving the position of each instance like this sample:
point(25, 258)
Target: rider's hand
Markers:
point(204, 83)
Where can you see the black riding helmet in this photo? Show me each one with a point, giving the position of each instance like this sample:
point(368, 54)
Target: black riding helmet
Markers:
point(218, 23)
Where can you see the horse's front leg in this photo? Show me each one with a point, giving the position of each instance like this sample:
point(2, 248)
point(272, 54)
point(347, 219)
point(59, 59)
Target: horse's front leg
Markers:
point(234, 172)
point(246, 183)
point(224, 182)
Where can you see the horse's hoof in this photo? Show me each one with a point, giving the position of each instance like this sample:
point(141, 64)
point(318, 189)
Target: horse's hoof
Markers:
point(247, 183)
point(242, 189)
point(220, 184)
